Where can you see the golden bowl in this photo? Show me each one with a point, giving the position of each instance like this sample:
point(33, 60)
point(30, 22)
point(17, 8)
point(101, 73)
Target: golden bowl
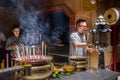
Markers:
point(68, 68)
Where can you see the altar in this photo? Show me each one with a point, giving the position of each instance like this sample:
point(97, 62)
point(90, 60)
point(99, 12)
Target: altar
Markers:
point(92, 74)
point(89, 74)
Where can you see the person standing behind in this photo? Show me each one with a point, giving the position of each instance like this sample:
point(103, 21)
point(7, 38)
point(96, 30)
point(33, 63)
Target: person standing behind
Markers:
point(2, 44)
point(78, 43)
point(13, 40)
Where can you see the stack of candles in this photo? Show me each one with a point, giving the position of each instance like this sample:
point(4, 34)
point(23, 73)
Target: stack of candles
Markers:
point(31, 53)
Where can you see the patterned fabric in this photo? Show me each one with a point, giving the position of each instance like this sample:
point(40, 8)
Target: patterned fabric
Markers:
point(13, 41)
point(2, 39)
point(77, 51)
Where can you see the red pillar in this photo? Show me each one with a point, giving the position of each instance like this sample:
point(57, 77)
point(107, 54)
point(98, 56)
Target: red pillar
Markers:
point(114, 37)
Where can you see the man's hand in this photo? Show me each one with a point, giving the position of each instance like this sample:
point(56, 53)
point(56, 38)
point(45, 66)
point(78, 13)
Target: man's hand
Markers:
point(90, 49)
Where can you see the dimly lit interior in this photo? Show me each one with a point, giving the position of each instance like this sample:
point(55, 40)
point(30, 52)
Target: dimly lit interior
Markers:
point(44, 46)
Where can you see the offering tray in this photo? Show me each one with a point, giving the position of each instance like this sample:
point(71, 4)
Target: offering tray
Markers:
point(42, 76)
point(40, 67)
point(34, 59)
point(40, 72)
point(79, 62)
point(77, 58)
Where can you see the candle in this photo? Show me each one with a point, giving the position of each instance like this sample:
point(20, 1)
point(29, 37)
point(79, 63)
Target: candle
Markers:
point(12, 63)
point(25, 62)
point(23, 51)
point(34, 51)
point(15, 64)
point(18, 54)
point(7, 61)
point(37, 50)
point(45, 49)
point(29, 51)
point(26, 51)
point(42, 47)
point(2, 65)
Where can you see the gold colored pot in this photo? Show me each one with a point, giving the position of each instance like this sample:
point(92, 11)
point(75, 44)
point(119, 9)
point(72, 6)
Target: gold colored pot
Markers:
point(68, 69)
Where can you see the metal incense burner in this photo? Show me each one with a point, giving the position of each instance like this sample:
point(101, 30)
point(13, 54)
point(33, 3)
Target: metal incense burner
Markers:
point(38, 64)
point(80, 63)
point(101, 39)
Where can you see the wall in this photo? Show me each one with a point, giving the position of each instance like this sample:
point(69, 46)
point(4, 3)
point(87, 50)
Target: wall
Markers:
point(7, 19)
point(80, 7)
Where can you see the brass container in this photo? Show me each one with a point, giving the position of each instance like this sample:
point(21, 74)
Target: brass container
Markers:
point(39, 70)
point(80, 63)
point(68, 69)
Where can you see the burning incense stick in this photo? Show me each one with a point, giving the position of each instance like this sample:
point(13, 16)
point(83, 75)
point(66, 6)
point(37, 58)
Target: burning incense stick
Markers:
point(7, 61)
point(29, 51)
point(40, 37)
point(17, 52)
point(42, 48)
point(34, 51)
point(26, 50)
point(45, 49)
point(23, 51)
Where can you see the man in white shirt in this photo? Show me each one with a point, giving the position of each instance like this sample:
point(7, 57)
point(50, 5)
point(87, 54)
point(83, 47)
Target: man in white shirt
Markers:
point(78, 43)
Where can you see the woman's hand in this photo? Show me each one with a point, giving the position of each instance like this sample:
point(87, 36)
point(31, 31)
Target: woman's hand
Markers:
point(13, 47)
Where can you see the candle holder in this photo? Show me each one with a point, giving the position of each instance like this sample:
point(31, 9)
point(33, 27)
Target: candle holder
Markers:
point(37, 64)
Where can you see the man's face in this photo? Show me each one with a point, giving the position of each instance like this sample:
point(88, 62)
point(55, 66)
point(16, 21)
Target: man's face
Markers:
point(82, 27)
point(16, 32)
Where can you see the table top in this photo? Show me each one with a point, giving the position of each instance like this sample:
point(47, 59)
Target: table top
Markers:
point(8, 72)
point(92, 74)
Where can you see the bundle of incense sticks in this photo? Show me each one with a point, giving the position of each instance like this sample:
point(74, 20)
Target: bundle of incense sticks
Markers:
point(31, 53)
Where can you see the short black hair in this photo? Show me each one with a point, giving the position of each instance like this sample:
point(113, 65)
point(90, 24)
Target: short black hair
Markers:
point(79, 21)
point(15, 26)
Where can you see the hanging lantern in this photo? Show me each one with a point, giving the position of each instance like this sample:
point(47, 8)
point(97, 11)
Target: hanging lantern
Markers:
point(101, 39)
point(100, 35)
